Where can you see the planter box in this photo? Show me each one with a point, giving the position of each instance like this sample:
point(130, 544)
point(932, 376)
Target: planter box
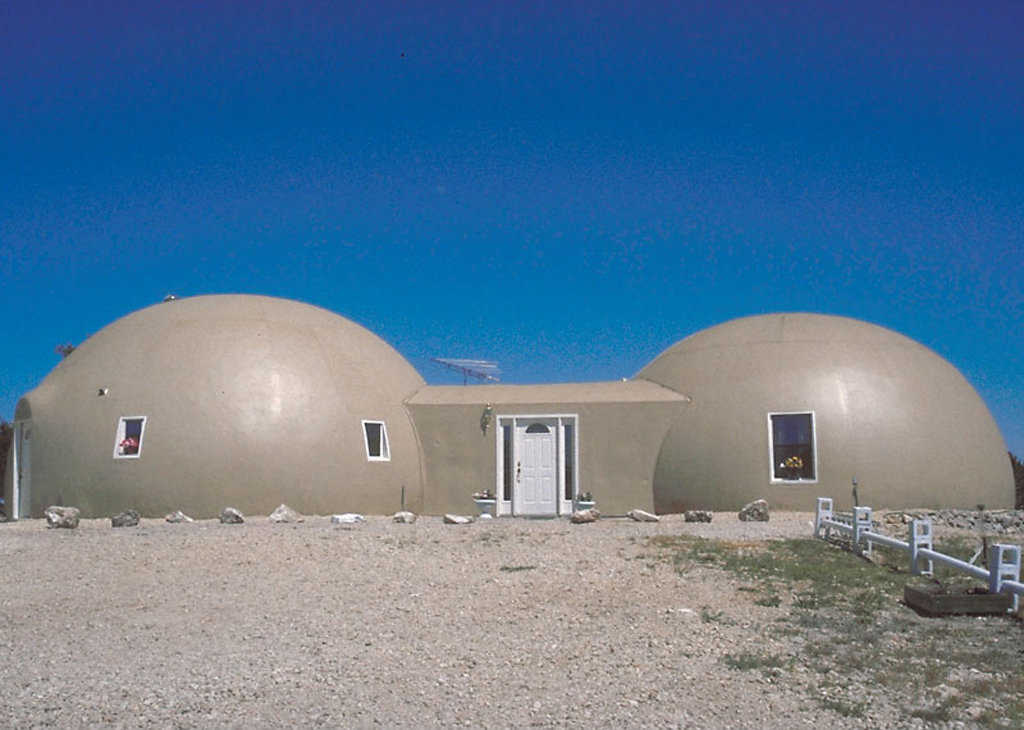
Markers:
point(486, 506)
point(579, 506)
point(935, 601)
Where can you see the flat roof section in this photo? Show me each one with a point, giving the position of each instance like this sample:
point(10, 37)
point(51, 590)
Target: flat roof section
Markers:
point(616, 391)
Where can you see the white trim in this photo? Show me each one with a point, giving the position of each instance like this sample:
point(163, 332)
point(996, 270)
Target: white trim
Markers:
point(120, 436)
point(14, 512)
point(563, 506)
point(385, 445)
point(771, 446)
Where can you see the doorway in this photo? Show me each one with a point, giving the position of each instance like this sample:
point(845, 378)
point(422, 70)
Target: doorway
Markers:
point(537, 465)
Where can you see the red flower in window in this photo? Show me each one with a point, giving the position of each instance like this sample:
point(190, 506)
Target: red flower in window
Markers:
point(129, 446)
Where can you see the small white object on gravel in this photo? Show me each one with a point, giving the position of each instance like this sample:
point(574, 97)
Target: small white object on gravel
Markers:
point(63, 517)
point(640, 515)
point(404, 517)
point(231, 516)
point(348, 518)
point(284, 513)
point(178, 516)
point(450, 519)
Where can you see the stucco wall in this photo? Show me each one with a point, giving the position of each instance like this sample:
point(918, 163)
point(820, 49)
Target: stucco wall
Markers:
point(888, 411)
point(618, 448)
point(250, 402)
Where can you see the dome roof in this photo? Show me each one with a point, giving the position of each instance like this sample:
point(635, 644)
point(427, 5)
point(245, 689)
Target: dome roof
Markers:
point(248, 400)
point(886, 410)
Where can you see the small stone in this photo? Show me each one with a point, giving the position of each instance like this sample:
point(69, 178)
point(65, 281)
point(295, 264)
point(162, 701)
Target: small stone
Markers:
point(231, 516)
point(638, 515)
point(128, 518)
point(284, 513)
point(64, 517)
point(450, 519)
point(486, 516)
point(178, 516)
point(348, 518)
point(583, 516)
point(756, 511)
point(697, 515)
point(404, 518)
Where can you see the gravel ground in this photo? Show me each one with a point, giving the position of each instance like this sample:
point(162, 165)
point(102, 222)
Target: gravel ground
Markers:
point(497, 623)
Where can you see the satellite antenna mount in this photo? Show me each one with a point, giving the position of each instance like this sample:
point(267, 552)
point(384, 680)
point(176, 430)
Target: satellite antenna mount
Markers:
point(479, 369)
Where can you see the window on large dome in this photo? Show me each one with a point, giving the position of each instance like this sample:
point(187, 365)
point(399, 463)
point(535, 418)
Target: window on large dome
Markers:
point(128, 442)
point(376, 435)
point(792, 444)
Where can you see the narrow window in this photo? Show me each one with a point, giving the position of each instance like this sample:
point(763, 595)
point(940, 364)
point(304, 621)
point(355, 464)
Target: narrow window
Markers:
point(537, 428)
point(506, 450)
point(376, 434)
point(570, 459)
point(792, 437)
point(128, 442)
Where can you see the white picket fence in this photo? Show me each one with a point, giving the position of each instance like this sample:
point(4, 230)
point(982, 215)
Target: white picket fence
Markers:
point(1002, 575)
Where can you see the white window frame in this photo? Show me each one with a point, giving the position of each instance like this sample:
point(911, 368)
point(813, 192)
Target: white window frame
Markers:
point(121, 430)
point(771, 446)
point(385, 444)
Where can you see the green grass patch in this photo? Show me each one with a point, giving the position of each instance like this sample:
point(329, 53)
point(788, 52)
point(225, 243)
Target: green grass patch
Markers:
point(847, 616)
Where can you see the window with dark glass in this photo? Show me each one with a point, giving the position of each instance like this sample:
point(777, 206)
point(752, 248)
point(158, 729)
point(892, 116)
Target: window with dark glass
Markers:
point(570, 459)
point(376, 435)
point(506, 445)
point(792, 446)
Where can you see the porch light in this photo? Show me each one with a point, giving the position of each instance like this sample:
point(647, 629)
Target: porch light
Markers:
point(486, 416)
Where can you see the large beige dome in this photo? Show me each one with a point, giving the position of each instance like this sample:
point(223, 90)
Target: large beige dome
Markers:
point(248, 401)
point(844, 399)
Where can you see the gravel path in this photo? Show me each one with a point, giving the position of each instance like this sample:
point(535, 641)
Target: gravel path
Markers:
point(498, 623)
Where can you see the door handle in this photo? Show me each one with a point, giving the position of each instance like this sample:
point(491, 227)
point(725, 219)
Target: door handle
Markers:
point(519, 468)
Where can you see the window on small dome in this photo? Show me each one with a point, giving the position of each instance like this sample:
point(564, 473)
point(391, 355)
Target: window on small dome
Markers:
point(128, 441)
point(375, 434)
point(792, 446)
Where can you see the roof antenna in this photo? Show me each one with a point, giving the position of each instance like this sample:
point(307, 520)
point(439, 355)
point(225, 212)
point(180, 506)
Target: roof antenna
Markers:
point(480, 369)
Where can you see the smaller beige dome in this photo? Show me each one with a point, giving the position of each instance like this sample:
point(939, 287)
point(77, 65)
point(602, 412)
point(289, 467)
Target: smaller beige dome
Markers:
point(886, 410)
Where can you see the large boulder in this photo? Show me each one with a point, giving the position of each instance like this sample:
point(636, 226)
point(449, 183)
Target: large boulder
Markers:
point(231, 516)
point(64, 517)
point(638, 515)
point(128, 518)
point(756, 511)
point(284, 513)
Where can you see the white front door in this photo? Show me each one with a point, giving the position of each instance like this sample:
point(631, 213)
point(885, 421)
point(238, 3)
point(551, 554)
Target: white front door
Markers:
point(536, 488)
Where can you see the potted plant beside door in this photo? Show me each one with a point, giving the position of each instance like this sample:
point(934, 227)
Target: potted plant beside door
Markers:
point(485, 502)
point(584, 500)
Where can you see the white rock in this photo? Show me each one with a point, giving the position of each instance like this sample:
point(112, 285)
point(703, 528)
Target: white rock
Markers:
point(178, 516)
point(349, 518)
point(486, 516)
point(231, 516)
point(640, 516)
point(64, 517)
point(405, 518)
point(284, 513)
point(583, 516)
point(456, 520)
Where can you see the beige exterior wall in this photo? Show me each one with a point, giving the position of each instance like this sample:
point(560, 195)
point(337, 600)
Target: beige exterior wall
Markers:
point(618, 441)
point(250, 402)
point(888, 411)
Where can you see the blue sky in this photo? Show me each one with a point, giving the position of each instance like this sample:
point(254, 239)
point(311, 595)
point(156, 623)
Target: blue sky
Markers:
point(566, 188)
